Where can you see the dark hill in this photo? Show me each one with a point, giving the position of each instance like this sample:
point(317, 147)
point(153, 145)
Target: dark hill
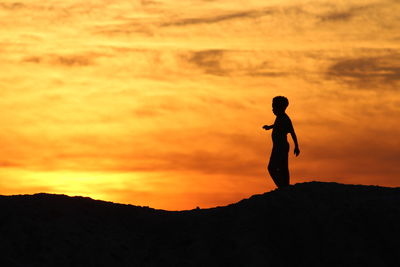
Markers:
point(309, 224)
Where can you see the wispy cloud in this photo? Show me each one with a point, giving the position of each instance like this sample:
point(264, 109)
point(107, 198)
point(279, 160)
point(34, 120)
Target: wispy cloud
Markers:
point(331, 13)
point(335, 15)
point(77, 60)
point(219, 18)
point(223, 62)
point(367, 71)
point(12, 6)
point(268, 74)
point(149, 2)
point(209, 61)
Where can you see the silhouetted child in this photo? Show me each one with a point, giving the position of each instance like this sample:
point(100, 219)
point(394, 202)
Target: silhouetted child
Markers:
point(278, 164)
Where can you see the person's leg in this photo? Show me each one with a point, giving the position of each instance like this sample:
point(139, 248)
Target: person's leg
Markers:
point(284, 166)
point(273, 172)
point(278, 165)
point(284, 171)
point(273, 167)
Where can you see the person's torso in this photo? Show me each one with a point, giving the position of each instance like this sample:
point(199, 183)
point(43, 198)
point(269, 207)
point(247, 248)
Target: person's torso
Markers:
point(281, 129)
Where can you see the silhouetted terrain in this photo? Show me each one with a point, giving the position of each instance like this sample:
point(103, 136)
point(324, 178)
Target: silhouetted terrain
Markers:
point(309, 224)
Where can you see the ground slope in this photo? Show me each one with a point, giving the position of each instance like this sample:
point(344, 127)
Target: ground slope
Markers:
point(309, 224)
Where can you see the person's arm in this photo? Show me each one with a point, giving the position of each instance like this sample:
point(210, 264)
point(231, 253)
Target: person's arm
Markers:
point(296, 144)
point(268, 127)
point(290, 129)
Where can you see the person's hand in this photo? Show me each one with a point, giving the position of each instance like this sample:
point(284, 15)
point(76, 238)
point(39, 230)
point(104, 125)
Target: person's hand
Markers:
point(296, 151)
point(267, 127)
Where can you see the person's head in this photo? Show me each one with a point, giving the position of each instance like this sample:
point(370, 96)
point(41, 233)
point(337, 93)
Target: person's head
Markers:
point(279, 104)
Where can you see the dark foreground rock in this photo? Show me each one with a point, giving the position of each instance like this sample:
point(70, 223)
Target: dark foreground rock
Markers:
point(309, 224)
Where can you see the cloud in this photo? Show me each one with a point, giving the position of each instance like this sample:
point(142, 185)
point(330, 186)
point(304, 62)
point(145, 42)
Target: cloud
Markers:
point(346, 15)
point(332, 15)
point(268, 74)
point(209, 61)
point(367, 71)
point(149, 2)
point(224, 62)
point(62, 60)
point(125, 28)
point(12, 6)
point(337, 16)
point(72, 61)
point(271, 20)
point(151, 25)
point(220, 18)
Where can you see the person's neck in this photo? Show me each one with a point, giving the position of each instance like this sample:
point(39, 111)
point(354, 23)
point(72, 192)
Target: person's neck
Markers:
point(281, 114)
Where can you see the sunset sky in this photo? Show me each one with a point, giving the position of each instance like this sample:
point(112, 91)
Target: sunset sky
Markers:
point(161, 103)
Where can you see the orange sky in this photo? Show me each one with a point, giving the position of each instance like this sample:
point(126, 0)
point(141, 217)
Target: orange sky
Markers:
point(161, 103)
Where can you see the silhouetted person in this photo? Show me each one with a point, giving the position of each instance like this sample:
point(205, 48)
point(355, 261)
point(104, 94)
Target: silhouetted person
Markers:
point(278, 164)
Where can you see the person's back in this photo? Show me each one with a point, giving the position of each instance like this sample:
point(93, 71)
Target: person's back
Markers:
point(278, 166)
